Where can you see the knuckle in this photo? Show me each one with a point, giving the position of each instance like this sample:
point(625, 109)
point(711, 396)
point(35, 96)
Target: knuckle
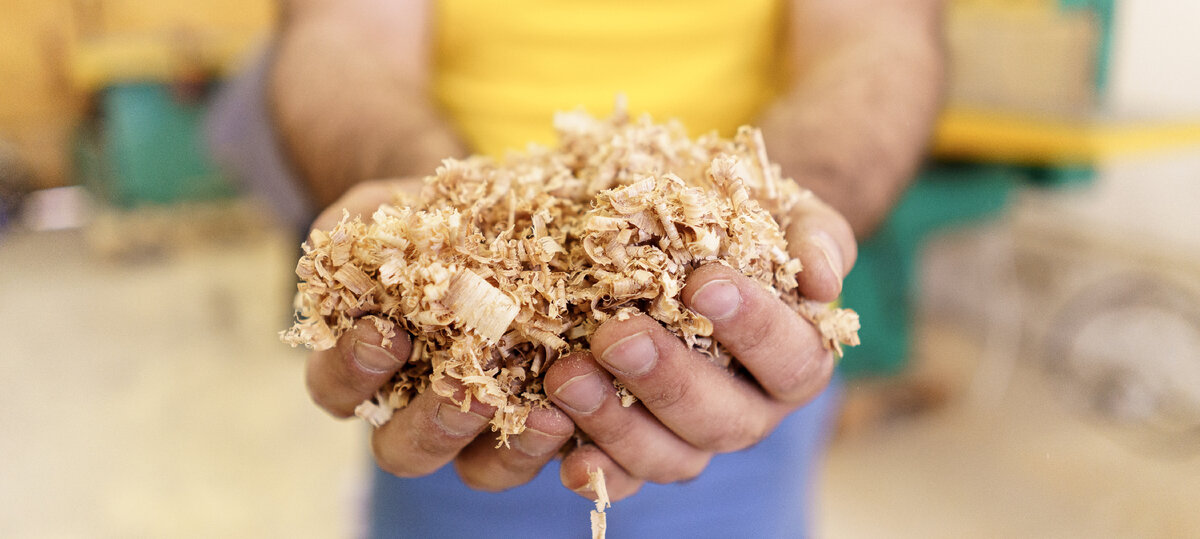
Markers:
point(653, 470)
point(711, 440)
point(628, 490)
point(515, 463)
point(480, 478)
point(660, 475)
point(754, 335)
point(666, 393)
point(675, 469)
point(434, 442)
point(756, 432)
point(739, 433)
point(790, 386)
point(799, 385)
point(516, 469)
point(694, 467)
point(605, 433)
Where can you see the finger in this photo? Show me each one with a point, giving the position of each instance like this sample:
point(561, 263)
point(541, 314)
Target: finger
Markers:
point(363, 199)
point(483, 466)
point(428, 433)
point(783, 351)
point(630, 436)
point(581, 461)
point(824, 243)
point(698, 400)
point(352, 371)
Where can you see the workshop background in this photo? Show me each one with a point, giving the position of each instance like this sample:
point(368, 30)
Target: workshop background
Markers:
point(1031, 310)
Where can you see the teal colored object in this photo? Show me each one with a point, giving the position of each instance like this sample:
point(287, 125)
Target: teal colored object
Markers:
point(882, 288)
point(148, 148)
point(1060, 176)
point(1104, 12)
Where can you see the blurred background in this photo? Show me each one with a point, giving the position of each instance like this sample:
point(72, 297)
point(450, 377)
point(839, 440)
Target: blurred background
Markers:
point(1031, 356)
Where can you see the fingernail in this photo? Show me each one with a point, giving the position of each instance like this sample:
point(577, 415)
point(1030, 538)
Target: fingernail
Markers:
point(586, 492)
point(634, 355)
point(536, 443)
point(717, 300)
point(457, 422)
point(374, 359)
point(583, 393)
point(831, 252)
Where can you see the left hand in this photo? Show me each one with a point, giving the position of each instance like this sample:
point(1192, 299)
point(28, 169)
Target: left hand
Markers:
point(690, 408)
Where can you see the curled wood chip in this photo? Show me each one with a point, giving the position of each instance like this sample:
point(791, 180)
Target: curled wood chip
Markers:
point(627, 397)
point(837, 326)
point(354, 279)
point(373, 412)
point(480, 306)
point(599, 518)
point(501, 267)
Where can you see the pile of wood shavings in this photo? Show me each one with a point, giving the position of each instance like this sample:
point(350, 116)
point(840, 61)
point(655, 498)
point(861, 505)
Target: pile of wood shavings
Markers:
point(501, 267)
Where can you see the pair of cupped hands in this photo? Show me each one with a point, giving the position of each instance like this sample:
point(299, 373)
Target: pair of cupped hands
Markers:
point(688, 408)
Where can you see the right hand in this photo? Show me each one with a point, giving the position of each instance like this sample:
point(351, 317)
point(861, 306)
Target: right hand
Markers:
point(432, 430)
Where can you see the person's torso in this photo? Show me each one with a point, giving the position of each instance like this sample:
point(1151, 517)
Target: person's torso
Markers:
point(503, 68)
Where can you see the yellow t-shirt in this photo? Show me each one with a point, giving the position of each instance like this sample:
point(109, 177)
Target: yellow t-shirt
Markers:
point(504, 67)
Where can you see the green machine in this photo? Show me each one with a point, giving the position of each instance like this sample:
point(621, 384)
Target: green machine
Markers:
point(145, 146)
point(992, 157)
point(883, 285)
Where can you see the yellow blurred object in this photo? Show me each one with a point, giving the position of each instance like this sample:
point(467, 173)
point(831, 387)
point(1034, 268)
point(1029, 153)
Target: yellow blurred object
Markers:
point(122, 40)
point(95, 63)
point(1026, 139)
point(503, 68)
point(50, 50)
point(140, 16)
point(1013, 5)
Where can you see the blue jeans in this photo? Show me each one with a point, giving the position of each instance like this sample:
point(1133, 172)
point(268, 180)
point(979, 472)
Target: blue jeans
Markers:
point(761, 492)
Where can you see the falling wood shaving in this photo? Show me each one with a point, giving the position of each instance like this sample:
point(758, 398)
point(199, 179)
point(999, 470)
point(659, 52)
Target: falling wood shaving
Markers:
point(599, 518)
point(501, 267)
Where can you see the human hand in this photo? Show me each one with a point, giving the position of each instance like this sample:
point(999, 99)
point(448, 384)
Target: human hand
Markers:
point(431, 430)
point(690, 408)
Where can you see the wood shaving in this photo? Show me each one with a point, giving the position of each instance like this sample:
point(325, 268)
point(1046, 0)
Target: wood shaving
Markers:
point(503, 266)
point(627, 397)
point(599, 518)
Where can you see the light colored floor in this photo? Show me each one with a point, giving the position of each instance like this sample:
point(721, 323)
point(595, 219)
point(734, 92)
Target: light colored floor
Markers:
point(151, 398)
point(1024, 465)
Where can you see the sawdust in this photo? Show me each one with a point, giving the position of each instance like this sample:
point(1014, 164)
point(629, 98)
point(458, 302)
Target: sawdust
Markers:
point(501, 267)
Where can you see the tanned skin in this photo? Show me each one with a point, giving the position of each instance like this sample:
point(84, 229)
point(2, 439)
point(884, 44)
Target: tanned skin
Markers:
point(350, 94)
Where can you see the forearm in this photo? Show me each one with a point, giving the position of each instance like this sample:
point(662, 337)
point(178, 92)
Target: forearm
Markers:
point(350, 94)
point(855, 123)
